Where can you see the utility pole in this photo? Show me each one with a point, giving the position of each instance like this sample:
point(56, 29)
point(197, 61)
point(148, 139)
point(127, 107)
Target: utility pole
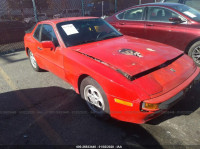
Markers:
point(102, 7)
point(21, 8)
point(35, 11)
point(83, 11)
point(116, 6)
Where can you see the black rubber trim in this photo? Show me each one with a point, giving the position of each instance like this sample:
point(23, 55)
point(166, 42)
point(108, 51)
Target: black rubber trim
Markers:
point(167, 63)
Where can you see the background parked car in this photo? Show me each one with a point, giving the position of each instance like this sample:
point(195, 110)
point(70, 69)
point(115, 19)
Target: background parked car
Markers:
point(68, 13)
point(173, 24)
point(41, 17)
point(192, 3)
point(11, 31)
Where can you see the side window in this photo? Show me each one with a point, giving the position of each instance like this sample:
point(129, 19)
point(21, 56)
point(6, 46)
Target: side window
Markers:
point(48, 34)
point(134, 14)
point(120, 16)
point(172, 1)
point(193, 3)
point(37, 32)
point(159, 14)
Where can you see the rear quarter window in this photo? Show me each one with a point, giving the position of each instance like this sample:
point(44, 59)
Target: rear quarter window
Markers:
point(37, 32)
point(193, 3)
point(120, 16)
point(172, 1)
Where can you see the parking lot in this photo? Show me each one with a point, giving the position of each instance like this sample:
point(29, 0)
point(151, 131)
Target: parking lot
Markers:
point(41, 109)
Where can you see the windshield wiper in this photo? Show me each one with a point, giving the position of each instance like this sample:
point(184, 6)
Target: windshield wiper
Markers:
point(85, 41)
point(109, 37)
point(93, 40)
point(88, 41)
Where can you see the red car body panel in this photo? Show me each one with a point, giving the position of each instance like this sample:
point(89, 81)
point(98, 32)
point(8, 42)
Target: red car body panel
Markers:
point(100, 60)
point(180, 36)
point(129, 64)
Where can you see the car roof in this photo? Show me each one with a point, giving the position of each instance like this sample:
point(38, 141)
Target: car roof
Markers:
point(59, 20)
point(159, 4)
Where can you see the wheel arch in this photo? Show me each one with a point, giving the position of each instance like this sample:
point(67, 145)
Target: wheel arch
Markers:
point(80, 79)
point(190, 44)
point(27, 49)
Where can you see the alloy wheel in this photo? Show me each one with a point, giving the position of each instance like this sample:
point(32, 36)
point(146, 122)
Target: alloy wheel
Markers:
point(94, 99)
point(196, 55)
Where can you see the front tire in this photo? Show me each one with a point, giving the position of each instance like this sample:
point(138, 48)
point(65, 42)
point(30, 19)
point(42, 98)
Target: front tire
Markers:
point(95, 98)
point(194, 53)
point(33, 62)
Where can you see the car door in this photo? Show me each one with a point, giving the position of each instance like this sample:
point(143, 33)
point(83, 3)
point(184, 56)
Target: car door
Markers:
point(53, 58)
point(131, 22)
point(159, 28)
point(36, 44)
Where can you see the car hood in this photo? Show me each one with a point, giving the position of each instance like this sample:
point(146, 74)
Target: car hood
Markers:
point(128, 55)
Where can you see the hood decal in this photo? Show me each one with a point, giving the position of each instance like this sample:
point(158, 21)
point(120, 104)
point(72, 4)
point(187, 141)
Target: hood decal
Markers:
point(149, 49)
point(130, 52)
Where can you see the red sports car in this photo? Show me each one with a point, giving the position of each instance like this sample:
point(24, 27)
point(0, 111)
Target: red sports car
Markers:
point(173, 24)
point(130, 79)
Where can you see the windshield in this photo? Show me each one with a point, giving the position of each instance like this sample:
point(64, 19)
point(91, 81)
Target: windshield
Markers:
point(193, 4)
point(84, 31)
point(188, 11)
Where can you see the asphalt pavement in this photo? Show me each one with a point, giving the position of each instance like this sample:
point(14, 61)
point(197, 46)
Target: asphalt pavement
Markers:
point(41, 109)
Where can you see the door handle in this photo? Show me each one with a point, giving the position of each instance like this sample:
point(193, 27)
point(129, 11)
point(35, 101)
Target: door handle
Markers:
point(39, 48)
point(121, 23)
point(149, 24)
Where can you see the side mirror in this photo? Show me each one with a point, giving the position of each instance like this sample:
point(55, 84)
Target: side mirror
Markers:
point(176, 20)
point(48, 44)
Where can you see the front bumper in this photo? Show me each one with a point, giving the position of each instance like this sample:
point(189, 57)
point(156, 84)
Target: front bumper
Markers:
point(164, 106)
point(169, 103)
point(166, 101)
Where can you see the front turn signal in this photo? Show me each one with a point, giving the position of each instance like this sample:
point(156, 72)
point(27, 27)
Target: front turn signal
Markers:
point(150, 106)
point(126, 103)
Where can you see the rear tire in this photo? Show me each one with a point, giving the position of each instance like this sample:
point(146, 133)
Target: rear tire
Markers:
point(194, 53)
point(33, 62)
point(95, 98)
